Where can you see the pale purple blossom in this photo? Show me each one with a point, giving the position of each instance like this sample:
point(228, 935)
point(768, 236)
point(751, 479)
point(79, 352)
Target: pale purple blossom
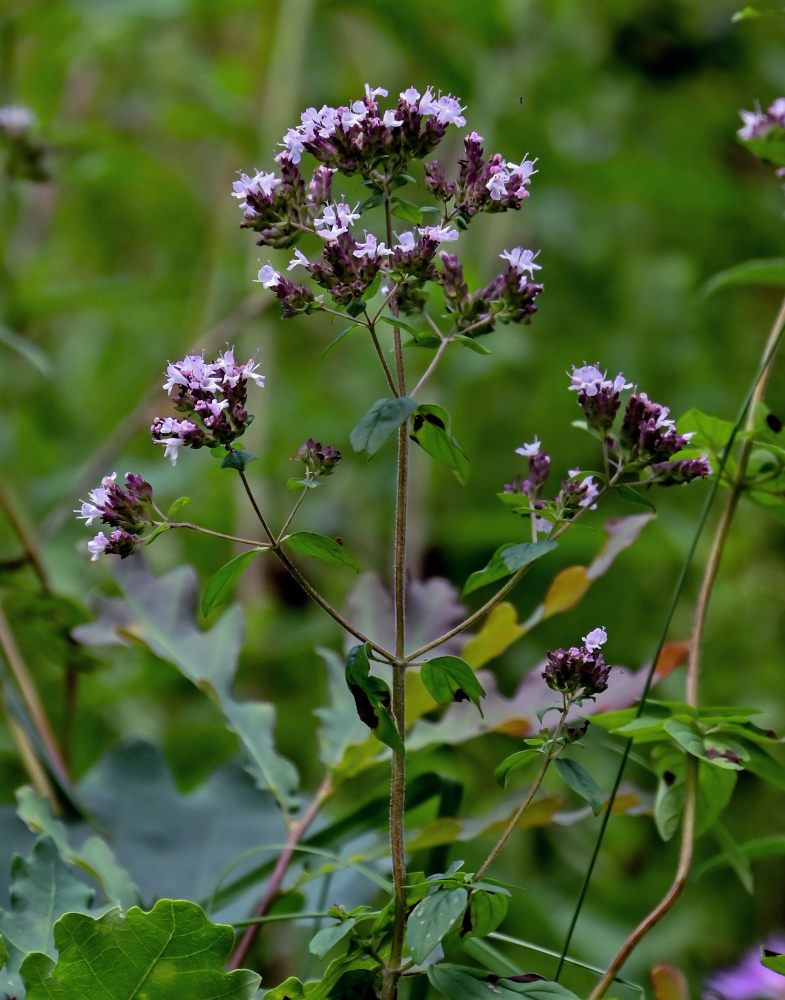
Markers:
point(596, 638)
point(497, 185)
point(592, 492)
point(442, 234)
point(589, 379)
point(97, 546)
point(268, 277)
point(336, 219)
point(756, 125)
point(776, 110)
point(371, 93)
point(521, 260)
point(411, 95)
point(371, 248)
point(405, 242)
point(389, 119)
point(529, 450)
point(191, 373)
point(748, 980)
point(298, 259)
point(15, 119)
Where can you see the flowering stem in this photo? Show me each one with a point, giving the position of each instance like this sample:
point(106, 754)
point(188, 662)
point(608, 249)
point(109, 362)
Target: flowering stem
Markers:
point(380, 352)
point(693, 668)
point(255, 506)
point(550, 753)
point(392, 971)
point(219, 534)
point(293, 838)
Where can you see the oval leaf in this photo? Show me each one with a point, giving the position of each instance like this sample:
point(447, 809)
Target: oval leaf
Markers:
point(431, 429)
point(382, 420)
point(486, 912)
point(506, 560)
point(309, 543)
point(432, 918)
point(221, 582)
point(581, 782)
point(449, 678)
point(513, 763)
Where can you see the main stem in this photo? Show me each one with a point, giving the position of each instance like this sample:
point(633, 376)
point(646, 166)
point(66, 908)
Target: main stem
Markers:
point(392, 972)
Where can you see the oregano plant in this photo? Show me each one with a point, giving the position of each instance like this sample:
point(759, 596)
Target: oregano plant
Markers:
point(331, 210)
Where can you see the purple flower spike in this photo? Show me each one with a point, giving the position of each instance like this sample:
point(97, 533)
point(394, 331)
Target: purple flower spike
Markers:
point(580, 672)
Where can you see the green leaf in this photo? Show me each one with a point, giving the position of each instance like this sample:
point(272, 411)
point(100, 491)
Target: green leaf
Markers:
point(26, 349)
point(486, 912)
point(170, 953)
point(176, 505)
point(309, 543)
point(762, 764)
point(289, 989)
point(221, 582)
point(237, 459)
point(432, 918)
point(432, 430)
point(328, 937)
point(770, 148)
point(407, 211)
point(581, 782)
point(356, 307)
point(506, 560)
point(340, 727)
point(43, 888)
point(774, 962)
point(297, 484)
point(633, 496)
point(94, 856)
point(449, 678)
point(159, 612)
point(512, 763)
point(685, 736)
point(752, 272)
point(735, 856)
point(456, 983)
point(372, 698)
point(341, 336)
point(382, 420)
point(471, 343)
point(396, 321)
point(710, 433)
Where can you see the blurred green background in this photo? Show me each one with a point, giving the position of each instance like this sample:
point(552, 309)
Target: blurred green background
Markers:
point(131, 255)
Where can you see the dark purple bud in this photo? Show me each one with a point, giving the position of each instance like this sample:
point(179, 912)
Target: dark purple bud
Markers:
point(319, 459)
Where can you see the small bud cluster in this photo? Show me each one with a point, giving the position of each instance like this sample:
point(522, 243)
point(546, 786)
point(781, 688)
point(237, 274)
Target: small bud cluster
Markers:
point(129, 511)
point(319, 459)
point(580, 671)
point(492, 185)
point(213, 394)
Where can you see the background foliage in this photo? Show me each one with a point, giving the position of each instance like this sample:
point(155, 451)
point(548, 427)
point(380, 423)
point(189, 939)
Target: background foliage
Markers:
point(130, 255)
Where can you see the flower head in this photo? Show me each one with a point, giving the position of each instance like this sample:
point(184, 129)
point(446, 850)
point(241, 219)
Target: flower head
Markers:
point(580, 672)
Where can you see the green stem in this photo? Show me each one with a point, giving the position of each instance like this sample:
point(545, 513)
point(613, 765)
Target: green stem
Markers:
point(516, 817)
point(219, 534)
point(290, 518)
point(432, 366)
point(380, 352)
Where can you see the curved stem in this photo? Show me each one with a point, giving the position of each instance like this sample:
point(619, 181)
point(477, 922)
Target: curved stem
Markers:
point(432, 366)
point(219, 534)
point(516, 817)
point(293, 838)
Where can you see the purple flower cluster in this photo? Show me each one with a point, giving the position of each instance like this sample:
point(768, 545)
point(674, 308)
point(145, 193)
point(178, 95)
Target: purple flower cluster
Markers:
point(598, 397)
point(758, 124)
point(748, 980)
point(362, 138)
point(127, 510)
point(580, 671)
point(539, 464)
point(319, 459)
point(492, 185)
point(510, 297)
point(213, 394)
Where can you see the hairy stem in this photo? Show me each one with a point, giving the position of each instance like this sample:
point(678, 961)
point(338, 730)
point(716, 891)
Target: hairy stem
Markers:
point(392, 971)
point(293, 838)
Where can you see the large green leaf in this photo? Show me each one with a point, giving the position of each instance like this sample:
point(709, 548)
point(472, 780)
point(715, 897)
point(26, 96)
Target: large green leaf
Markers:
point(44, 887)
point(160, 612)
point(449, 678)
point(372, 698)
point(220, 584)
point(382, 420)
point(581, 782)
point(751, 272)
point(170, 953)
point(506, 560)
point(310, 543)
point(341, 727)
point(432, 918)
point(432, 430)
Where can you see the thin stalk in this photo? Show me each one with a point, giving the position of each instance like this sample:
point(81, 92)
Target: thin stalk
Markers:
point(256, 510)
point(754, 396)
point(290, 518)
point(27, 689)
point(392, 971)
point(293, 838)
point(35, 771)
point(445, 343)
point(516, 817)
point(380, 352)
point(219, 534)
point(25, 535)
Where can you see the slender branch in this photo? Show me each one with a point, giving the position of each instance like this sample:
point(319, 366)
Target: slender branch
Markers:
point(256, 510)
point(516, 817)
point(677, 886)
point(693, 667)
point(445, 343)
point(25, 535)
point(219, 534)
point(380, 352)
point(27, 689)
point(292, 512)
point(293, 838)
